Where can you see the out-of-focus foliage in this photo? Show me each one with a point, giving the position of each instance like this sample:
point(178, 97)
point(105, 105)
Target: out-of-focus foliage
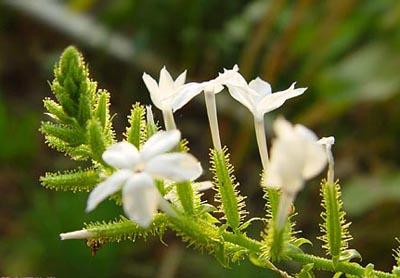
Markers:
point(345, 51)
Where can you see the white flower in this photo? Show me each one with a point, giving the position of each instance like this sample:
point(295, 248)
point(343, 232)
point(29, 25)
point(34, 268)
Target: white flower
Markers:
point(216, 85)
point(136, 171)
point(166, 91)
point(295, 157)
point(257, 96)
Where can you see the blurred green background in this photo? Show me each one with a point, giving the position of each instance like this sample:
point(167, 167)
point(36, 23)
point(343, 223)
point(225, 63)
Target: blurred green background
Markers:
point(347, 52)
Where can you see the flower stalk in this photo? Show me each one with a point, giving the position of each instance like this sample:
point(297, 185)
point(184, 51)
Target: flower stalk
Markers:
point(261, 141)
point(213, 119)
point(169, 121)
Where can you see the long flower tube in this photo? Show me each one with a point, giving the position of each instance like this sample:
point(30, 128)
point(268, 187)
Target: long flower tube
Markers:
point(257, 96)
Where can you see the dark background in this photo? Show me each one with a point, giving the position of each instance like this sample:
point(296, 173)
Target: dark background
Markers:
point(345, 51)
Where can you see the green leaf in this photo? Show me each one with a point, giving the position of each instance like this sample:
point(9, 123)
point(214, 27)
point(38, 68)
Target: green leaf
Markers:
point(77, 180)
point(96, 141)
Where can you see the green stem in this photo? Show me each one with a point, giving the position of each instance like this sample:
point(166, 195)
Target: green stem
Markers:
point(207, 233)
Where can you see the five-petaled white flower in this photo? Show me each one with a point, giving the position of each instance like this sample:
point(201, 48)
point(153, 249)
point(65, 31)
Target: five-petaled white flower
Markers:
point(257, 96)
point(136, 171)
point(295, 157)
point(216, 85)
point(164, 94)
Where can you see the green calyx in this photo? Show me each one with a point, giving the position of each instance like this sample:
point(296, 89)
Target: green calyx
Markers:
point(231, 202)
point(334, 228)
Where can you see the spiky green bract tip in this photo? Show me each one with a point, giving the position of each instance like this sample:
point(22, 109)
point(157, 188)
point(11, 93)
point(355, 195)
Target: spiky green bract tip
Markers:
point(72, 86)
point(137, 129)
point(77, 180)
point(275, 243)
point(334, 227)
point(231, 202)
point(396, 256)
point(78, 103)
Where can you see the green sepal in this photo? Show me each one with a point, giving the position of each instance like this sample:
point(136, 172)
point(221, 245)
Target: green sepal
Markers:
point(349, 254)
point(186, 196)
point(334, 228)
point(77, 180)
point(306, 271)
point(231, 202)
point(369, 271)
point(136, 132)
point(277, 244)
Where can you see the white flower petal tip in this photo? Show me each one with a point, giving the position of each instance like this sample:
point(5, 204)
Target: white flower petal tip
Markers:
point(81, 234)
point(257, 96)
point(160, 142)
point(295, 157)
point(166, 92)
point(175, 167)
point(327, 141)
point(122, 155)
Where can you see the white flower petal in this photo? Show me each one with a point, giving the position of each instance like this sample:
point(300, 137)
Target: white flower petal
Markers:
point(166, 83)
point(121, 155)
point(185, 94)
point(283, 128)
point(174, 166)
point(307, 134)
point(106, 188)
point(180, 80)
point(260, 86)
point(315, 160)
point(285, 167)
point(276, 100)
point(242, 95)
point(140, 199)
point(153, 89)
point(203, 185)
point(161, 142)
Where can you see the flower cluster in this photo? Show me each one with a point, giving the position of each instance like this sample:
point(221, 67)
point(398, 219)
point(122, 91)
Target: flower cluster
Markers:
point(151, 170)
point(296, 155)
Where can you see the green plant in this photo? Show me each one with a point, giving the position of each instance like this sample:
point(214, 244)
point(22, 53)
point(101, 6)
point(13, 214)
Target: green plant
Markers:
point(151, 174)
